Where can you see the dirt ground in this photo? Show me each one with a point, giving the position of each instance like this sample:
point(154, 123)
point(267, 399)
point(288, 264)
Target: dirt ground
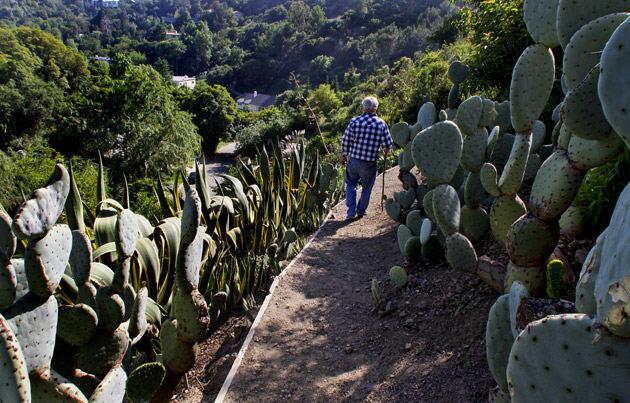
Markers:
point(322, 340)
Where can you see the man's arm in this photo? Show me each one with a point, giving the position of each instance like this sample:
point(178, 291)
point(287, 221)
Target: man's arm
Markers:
point(346, 141)
point(387, 141)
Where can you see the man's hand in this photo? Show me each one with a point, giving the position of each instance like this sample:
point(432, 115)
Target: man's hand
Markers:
point(344, 160)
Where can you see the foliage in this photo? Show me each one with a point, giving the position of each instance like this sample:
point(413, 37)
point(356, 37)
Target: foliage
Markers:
point(264, 128)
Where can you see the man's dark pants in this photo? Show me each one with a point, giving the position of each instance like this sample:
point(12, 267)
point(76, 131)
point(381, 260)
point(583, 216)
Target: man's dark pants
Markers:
point(364, 172)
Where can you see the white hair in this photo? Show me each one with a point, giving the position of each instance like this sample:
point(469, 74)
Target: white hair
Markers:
point(370, 104)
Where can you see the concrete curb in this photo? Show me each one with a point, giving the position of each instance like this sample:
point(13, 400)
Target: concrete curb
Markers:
point(250, 335)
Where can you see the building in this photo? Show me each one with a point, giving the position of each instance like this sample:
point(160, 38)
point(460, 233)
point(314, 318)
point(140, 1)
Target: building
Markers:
point(109, 3)
point(101, 59)
point(255, 101)
point(184, 81)
point(172, 34)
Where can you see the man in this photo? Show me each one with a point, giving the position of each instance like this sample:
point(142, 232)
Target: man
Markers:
point(359, 151)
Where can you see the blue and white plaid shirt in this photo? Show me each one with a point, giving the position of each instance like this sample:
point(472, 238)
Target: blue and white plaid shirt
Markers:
point(364, 136)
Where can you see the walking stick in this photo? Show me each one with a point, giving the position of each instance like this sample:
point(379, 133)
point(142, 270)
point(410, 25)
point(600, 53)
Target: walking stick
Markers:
point(383, 188)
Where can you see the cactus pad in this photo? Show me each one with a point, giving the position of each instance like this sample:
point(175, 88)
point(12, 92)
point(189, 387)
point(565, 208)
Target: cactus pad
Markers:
point(533, 278)
point(588, 154)
point(8, 282)
point(474, 149)
point(33, 320)
point(402, 235)
point(530, 241)
point(504, 212)
point(514, 171)
point(489, 179)
point(45, 260)
point(584, 50)
point(104, 352)
point(127, 233)
point(414, 221)
point(191, 311)
point(437, 151)
point(614, 83)
point(13, 371)
point(518, 293)
point(52, 387)
point(585, 289)
point(405, 198)
point(582, 112)
point(555, 187)
point(503, 120)
point(138, 319)
point(469, 115)
point(426, 230)
point(112, 388)
point(189, 262)
point(427, 116)
point(401, 134)
point(573, 14)
point(191, 217)
point(76, 324)
point(87, 295)
point(413, 249)
point(144, 382)
point(612, 290)
point(499, 340)
point(540, 19)
point(568, 358)
point(81, 257)
point(457, 72)
point(393, 209)
point(532, 81)
point(110, 308)
point(460, 253)
point(38, 214)
point(178, 356)
point(8, 242)
point(474, 223)
point(446, 208)
point(474, 193)
point(398, 276)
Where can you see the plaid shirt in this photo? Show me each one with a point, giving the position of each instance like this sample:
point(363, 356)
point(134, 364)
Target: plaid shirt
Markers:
point(364, 136)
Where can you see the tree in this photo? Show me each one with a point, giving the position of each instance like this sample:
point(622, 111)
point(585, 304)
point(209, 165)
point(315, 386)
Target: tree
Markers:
point(214, 112)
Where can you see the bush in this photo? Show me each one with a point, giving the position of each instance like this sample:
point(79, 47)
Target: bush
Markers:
point(261, 129)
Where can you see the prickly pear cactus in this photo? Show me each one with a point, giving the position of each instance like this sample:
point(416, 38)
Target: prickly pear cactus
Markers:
point(499, 340)
point(437, 151)
point(45, 260)
point(15, 385)
point(398, 276)
point(144, 382)
point(112, 388)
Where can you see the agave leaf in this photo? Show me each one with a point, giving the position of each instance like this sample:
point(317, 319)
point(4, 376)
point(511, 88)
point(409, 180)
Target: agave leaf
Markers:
point(167, 211)
point(74, 204)
point(126, 192)
point(237, 187)
point(105, 225)
point(149, 261)
point(101, 275)
point(155, 312)
point(108, 248)
point(101, 193)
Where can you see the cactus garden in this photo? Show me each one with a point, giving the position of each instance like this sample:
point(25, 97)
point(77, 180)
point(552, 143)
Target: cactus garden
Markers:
point(492, 263)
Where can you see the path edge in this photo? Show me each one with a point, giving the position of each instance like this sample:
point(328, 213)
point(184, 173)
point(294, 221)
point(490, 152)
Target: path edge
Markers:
point(250, 335)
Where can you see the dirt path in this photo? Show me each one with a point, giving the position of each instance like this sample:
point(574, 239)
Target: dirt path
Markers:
point(320, 340)
point(217, 164)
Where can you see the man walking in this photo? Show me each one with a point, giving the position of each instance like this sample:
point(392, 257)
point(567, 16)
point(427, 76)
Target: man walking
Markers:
point(359, 151)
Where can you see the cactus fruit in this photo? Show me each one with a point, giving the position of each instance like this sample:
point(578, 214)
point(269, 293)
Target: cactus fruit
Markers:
point(573, 14)
point(437, 151)
point(45, 260)
point(8, 242)
point(504, 212)
point(103, 352)
point(144, 382)
point(403, 234)
point(460, 253)
point(555, 271)
point(36, 216)
point(532, 81)
point(614, 85)
point(533, 278)
point(540, 19)
point(177, 355)
point(33, 320)
point(398, 276)
point(112, 388)
point(530, 240)
point(585, 290)
point(499, 340)
point(567, 358)
point(15, 385)
point(584, 50)
point(612, 290)
point(76, 324)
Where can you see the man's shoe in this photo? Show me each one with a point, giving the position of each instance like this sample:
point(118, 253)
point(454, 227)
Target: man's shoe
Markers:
point(360, 216)
point(351, 218)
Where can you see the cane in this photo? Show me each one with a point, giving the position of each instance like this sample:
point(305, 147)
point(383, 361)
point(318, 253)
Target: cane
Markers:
point(383, 187)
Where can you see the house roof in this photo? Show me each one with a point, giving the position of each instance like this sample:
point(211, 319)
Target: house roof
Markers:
point(182, 78)
point(260, 100)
